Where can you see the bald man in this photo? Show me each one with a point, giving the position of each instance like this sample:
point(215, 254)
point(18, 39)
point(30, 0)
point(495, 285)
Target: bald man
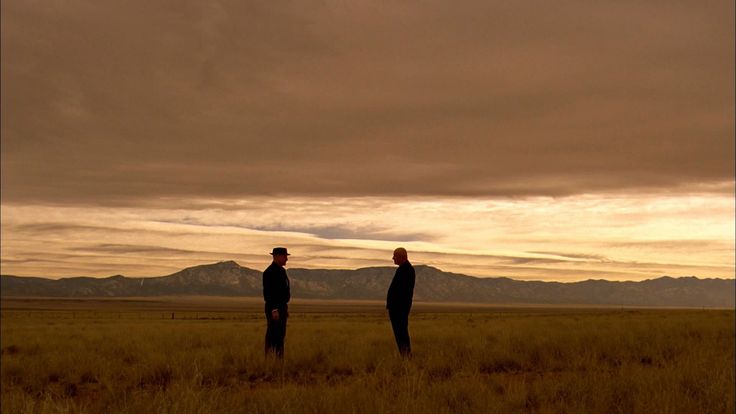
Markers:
point(399, 298)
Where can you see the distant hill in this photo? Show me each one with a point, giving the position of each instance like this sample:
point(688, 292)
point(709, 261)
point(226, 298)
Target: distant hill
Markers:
point(230, 279)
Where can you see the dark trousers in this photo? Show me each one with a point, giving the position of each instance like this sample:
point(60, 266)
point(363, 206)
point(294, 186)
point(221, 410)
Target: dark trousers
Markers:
point(400, 324)
point(276, 333)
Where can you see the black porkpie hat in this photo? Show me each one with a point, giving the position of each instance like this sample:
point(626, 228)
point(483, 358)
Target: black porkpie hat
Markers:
point(280, 250)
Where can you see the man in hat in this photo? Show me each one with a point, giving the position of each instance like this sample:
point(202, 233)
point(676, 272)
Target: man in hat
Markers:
point(276, 294)
point(399, 299)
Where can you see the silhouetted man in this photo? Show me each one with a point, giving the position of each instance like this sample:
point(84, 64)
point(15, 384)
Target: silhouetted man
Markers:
point(276, 294)
point(399, 298)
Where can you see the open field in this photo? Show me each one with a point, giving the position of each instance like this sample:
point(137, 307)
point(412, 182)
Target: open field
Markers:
point(131, 356)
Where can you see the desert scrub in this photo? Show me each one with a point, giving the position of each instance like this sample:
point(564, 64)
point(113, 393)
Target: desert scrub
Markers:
point(540, 361)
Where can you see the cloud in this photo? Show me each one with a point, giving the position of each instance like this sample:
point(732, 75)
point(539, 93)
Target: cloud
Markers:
point(337, 232)
point(51, 228)
point(683, 244)
point(231, 100)
point(125, 249)
point(591, 257)
point(572, 238)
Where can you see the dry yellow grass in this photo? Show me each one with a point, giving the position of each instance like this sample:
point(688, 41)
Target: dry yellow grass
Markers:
point(132, 358)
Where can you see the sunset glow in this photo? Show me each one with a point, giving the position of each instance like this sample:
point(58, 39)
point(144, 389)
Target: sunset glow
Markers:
point(573, 238)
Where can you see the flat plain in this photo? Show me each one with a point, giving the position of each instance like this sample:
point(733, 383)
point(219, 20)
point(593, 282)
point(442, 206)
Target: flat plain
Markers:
point(204, 355)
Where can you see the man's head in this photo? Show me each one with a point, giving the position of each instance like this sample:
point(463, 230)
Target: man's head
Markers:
point(280, 255)
point(400, 256)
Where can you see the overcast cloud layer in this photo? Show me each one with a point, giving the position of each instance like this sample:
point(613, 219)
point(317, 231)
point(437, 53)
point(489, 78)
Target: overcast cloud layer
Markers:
point(118, 102)
point(559, 140)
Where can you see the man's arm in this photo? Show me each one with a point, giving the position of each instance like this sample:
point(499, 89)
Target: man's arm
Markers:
point(270, 287)
point(274, 291)
point(405, 286)
point(270, 293)
point(267, 286)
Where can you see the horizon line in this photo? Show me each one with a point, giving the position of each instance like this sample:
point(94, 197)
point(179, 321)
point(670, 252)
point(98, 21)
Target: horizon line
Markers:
point(374, 267)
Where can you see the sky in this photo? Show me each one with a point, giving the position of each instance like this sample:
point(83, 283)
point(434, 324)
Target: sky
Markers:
point(556, 141)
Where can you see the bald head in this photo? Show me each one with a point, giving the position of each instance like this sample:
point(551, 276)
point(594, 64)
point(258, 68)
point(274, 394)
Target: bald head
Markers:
point(400, 256)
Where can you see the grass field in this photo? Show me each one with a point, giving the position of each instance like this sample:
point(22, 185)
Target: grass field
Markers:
point(131, 356)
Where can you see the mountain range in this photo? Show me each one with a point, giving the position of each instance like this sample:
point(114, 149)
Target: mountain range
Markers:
point(433, 285)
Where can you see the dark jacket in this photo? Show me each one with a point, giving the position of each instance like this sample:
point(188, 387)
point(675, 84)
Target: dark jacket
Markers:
point(276, 292)
point(401, 291)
